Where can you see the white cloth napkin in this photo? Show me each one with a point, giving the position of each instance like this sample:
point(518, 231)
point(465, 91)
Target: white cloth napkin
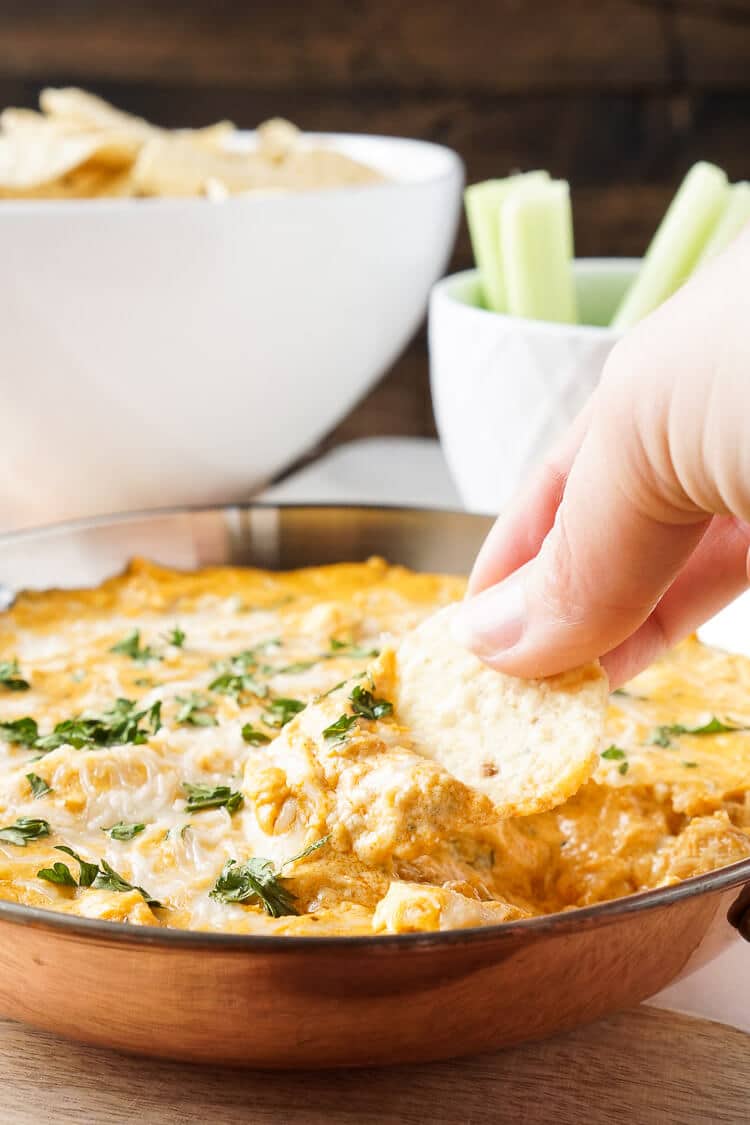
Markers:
point(386, 470)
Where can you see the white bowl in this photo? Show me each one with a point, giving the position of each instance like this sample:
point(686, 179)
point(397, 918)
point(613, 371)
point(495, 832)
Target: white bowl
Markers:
point(163, 351)
point(503, 387)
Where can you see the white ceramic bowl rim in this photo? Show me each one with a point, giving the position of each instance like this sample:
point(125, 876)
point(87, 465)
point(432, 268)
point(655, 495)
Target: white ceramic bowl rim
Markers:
point(426, 161)
point(447, 290)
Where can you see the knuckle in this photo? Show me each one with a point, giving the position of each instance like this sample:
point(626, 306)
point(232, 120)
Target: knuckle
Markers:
point(556, 474)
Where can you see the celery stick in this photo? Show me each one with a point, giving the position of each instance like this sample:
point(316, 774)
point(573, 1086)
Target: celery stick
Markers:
point(536, 235)
point(736, 216)
point(483, 204)
point(683, 232)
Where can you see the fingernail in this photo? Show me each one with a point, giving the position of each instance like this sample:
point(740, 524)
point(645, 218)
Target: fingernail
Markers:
point(493, 621)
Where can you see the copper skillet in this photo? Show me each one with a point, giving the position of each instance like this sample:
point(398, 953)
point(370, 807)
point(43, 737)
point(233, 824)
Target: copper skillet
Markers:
point(286, 1002)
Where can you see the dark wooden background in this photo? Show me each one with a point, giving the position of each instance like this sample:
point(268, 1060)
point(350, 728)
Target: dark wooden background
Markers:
point(617, 96)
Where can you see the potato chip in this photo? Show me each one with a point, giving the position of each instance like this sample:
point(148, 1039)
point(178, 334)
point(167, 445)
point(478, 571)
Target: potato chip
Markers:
point(80, 146)
point(87, 181)
point(22, 121)
point(310, 169)
point(29, 162)
point(94, 181)
point(277, 138)
point(87, 111)
point(211, 137)
point(216, 190)
point(72, 108)
point(113, 147)
point(175, 166)
point(526, 744)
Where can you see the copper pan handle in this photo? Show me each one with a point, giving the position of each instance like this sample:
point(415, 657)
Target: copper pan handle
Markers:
point(739, 912)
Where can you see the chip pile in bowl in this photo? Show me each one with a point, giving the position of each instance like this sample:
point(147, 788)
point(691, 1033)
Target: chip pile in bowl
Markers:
point(255, 752)
point(80, 147)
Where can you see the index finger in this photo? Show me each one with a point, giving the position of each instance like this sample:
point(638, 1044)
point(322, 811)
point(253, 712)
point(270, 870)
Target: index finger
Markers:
point(518, 533)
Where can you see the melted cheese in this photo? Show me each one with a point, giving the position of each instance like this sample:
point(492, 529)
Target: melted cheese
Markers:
point(409, 847)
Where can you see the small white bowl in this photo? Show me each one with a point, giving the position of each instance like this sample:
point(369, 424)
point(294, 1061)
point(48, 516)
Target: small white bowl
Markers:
point(168, 351)
point(504, 387)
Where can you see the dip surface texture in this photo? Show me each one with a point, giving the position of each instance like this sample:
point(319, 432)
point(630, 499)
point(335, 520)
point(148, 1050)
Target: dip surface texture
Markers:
point(219, 751)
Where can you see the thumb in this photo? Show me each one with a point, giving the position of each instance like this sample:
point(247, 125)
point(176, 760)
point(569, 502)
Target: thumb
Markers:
point(621, 534)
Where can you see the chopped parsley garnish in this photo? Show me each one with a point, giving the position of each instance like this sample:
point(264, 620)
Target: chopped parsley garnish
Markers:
point(115, 727)
point(26, 828)
point(200, 797)
point(337, 732)
point(236, 675)
point(58, 873)
point(254, 736)
point(22, 731)
point(99, 876)
point(331, 690)
point(281, 711)
point(263, 646)
point(87, 872)
point(248, 659)
point(260, 879)
point(613, 754)
point(123, 831)
point(663, 735)
point(254, 879)
point(713, 726)
point(348, 648)
point(108, 879)
point(131, 646)
point(229, 683)
point(176, 637)
point(616, 754)
point(39, 786)
point(308, 851)
point(10, 676)
point(242, 662)
point(365, 704)
point(290, 669)
point(237, 684)
point(690, 765)
point(195, 711)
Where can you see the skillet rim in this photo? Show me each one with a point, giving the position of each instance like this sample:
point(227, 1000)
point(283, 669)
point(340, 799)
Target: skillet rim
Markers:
point(117, 933)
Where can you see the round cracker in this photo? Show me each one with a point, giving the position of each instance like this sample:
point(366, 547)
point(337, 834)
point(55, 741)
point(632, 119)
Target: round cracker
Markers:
point(527, 744)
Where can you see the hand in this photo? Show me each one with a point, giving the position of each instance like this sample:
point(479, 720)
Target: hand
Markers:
point(635, 530)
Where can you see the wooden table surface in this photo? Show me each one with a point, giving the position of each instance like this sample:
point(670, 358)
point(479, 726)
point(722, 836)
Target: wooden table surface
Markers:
point(638, 1067)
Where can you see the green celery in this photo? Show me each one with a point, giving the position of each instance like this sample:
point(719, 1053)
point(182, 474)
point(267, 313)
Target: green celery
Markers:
point(536, 234)
point(689, 223)
point(736, 216)
point(484, 203)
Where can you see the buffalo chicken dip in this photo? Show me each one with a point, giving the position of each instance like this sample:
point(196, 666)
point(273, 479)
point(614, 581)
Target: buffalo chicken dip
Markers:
point(223, 751)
